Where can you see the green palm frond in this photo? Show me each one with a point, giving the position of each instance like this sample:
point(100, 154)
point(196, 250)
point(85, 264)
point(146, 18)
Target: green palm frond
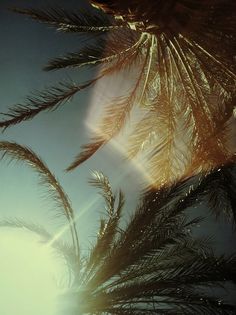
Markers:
point(18, 153)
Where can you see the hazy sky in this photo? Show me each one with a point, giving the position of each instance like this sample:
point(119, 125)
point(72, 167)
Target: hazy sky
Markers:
point(57, 136)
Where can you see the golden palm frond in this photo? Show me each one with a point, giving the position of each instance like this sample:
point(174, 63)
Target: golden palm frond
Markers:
point(183, 54)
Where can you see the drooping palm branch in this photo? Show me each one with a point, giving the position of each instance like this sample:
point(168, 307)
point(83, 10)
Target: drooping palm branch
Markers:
point(183, 54)
point(152, 264)
point(14, 151)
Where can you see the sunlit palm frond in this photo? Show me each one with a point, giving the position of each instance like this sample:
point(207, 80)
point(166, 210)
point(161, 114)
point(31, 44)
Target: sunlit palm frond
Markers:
point(16, 152)
point(72, 22)
point(188, 78)
point(191, 75)
point(100, 52)
point(117, 113)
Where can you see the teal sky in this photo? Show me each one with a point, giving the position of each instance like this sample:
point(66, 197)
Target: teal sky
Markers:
point(56, 136)
point(26, 46)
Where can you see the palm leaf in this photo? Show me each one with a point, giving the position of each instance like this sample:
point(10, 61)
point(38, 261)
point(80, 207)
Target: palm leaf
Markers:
point(41, 101)
point(188, 79)
point(151, 266)
point(14, 151)
point(99, 52)
point(72, 22)
point(156, 267)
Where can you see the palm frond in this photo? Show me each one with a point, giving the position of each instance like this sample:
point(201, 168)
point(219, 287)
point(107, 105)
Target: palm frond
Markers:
point(16, 152)
point(100, 52)
point(100, 181)
point(154, 266)
point(72, 22)
point(116, 114)
point(151, 266)
point(188, 81)
point(47, 100)
point(220, 191)
point(55, 96)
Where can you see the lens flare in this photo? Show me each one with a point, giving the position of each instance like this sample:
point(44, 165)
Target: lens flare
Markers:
point(111, 88)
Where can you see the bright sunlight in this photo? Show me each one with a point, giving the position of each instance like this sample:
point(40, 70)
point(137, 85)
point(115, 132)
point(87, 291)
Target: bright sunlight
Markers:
point(29, 275)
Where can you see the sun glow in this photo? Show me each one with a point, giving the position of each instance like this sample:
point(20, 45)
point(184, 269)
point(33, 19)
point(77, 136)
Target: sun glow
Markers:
point(29, 275)
point(111, 88)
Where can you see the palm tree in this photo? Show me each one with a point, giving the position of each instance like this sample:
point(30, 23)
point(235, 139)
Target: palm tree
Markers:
point(152, 264)
point(182, 52)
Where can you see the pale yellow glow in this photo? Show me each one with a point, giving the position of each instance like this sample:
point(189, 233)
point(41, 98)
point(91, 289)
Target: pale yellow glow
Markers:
point(29, 275)
point(111, 88)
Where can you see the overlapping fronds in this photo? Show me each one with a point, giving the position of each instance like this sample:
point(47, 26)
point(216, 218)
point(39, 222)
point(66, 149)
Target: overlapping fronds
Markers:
point(219, 187)
point(15, 152)
point(150, 266)
point(108, 227)
point(185, 51)
point(73, 22)
point(100, 53)
point(153, 265)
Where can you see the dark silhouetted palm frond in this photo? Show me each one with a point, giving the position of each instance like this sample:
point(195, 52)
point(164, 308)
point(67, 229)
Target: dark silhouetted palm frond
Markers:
point(219, 189)
point(16, 152)
point(152, 265)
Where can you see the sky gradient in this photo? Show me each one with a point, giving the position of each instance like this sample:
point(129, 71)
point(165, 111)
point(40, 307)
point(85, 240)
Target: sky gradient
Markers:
point(57, 136)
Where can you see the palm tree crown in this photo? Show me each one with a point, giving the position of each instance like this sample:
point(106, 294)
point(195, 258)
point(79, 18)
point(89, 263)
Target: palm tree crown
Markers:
point(182, 52)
